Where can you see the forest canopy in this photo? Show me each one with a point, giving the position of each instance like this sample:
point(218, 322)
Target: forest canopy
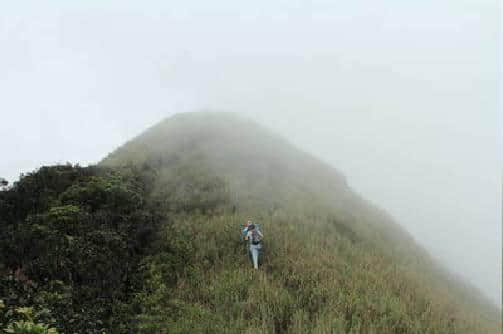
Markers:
point(71, 242)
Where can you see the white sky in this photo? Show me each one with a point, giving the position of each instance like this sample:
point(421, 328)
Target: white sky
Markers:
point(401, 96)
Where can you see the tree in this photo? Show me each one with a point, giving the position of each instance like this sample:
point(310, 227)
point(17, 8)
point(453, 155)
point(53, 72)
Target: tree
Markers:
point(3, 183)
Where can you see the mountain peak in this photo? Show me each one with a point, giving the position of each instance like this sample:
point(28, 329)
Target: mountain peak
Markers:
point(257, 163)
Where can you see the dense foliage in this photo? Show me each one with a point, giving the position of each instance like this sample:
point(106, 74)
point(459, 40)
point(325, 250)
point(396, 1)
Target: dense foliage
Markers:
point(71, 242)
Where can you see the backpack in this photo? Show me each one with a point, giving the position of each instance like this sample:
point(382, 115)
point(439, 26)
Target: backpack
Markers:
point(256, 239)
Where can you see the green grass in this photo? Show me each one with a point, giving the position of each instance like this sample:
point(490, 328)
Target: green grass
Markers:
point(313, 279)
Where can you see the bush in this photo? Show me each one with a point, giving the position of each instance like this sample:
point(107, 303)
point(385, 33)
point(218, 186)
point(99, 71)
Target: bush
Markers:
point(28, 326)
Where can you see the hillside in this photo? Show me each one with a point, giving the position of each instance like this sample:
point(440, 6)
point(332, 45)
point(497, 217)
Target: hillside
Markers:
point(352, 254)
point(149, 241)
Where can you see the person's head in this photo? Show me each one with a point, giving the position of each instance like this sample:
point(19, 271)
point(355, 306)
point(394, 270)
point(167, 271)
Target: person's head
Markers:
point(249, 222)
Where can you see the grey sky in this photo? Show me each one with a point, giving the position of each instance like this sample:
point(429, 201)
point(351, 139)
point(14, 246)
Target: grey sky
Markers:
point(403, 97)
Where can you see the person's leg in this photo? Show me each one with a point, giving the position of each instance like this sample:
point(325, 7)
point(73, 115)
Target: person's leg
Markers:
point(250, 254)
point(255, 257)
point(260, 254)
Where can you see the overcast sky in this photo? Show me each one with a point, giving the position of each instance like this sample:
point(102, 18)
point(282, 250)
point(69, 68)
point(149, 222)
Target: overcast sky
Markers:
point(401, 96)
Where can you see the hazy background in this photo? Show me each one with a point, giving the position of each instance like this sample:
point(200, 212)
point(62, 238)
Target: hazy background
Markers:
point(402, 97)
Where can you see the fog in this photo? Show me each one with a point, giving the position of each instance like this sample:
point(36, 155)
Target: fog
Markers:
point(402, 97)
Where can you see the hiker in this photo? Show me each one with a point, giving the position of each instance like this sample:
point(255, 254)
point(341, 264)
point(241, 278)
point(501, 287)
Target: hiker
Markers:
point(244, 233)
point(254, 238)
point(245, 229)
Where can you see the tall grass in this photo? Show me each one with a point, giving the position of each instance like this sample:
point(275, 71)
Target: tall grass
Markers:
point(314, 278)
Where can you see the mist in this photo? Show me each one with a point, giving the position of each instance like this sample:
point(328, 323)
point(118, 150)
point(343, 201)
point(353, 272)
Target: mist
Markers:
point(402, 98)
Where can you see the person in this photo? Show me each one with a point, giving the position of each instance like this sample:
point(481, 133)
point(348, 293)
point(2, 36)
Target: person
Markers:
point(254, 238)
point(244, 233)
point(245, 229)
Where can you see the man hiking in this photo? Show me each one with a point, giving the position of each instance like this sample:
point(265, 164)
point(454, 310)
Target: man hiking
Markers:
point(244, 232)
point(254, 238)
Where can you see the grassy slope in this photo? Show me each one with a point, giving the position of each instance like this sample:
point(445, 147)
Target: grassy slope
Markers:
point(343, 264)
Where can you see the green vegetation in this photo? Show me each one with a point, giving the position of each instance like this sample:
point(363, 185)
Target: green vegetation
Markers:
point(149, 242)
point(28, 326)
point(313, 280)
point(72, 239)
